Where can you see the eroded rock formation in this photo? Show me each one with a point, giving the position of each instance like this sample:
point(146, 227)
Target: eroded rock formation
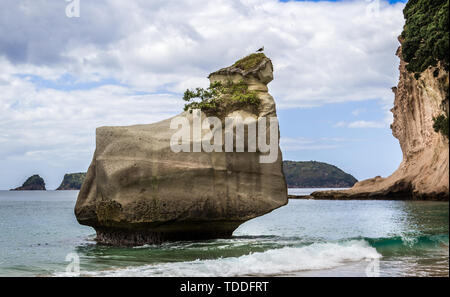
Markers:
point(424, 171)
point(138, 191)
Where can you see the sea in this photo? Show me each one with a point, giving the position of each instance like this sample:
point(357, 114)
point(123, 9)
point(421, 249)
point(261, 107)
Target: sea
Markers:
point(40, 236)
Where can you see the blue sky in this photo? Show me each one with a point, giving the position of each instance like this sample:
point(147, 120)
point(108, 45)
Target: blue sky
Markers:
point(363, 152)
point(128, 62)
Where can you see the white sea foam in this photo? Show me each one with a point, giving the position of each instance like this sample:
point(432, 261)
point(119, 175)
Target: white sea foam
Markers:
point(281, 261)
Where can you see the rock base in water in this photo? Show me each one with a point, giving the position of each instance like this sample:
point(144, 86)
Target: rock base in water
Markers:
point(399, 191)
point(138, 237)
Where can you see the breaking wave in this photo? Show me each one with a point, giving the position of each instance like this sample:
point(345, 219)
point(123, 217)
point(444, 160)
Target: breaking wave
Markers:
point(280, 261)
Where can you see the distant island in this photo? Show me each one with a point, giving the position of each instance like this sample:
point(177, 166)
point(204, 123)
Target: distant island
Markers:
point(72, 181)
point(303, 174)
point(312, 174)
point(33, 183)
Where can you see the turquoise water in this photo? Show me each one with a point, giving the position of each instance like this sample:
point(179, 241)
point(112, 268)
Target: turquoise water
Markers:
point(303, 238)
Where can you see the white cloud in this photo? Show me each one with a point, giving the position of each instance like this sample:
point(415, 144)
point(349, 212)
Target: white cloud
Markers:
point(358, 111)
point(340, 124)
point(37, 122)
point(301, 144)
point(383, 123)
point(323, 143)
point(367, 124)
point(322, 52)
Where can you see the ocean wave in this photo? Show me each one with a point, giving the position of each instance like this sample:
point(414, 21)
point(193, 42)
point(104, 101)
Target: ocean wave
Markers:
point(405, 242)
point(280, 261)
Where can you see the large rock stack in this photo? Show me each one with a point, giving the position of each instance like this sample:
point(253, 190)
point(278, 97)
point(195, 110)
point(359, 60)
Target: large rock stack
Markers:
point(139, 191)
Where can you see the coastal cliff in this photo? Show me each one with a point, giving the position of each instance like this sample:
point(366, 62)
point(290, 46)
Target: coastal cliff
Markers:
point(424, 172)
point(421, 111)
point(138, 190)
point(33, 183)
point(72, 181)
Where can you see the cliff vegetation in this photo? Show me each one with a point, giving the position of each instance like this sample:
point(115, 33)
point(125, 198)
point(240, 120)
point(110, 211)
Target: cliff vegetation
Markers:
point(425, 43)
point(312, 174)
point(219, 97)
point(425, 35)
point(33, 183)
point(229, 92)
point(72, 181)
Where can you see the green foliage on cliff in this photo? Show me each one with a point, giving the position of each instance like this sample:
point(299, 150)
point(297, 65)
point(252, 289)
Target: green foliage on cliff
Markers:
point(314, 174)
point(441, 125)
point(250, 61)
point(72, 181)
point(33, 183)
point(34, 180)
point(425, 35)
point(220, 96)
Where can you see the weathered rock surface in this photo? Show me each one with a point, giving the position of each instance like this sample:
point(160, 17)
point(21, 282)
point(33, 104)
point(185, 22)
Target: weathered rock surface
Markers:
point(424, 171)
point(33, 183)
point(138, 191)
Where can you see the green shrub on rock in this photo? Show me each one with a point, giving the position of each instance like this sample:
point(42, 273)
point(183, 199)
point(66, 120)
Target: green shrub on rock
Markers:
point(441, 124)
point(425, 35)
point(220, 96)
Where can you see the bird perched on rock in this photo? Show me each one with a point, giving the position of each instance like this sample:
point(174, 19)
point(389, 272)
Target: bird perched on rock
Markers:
point(261, 49)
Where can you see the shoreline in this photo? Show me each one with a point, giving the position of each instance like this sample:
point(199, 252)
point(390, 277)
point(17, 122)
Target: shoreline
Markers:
point(310, 197)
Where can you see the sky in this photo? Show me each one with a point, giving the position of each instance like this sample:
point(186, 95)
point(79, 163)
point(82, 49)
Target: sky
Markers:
point(129, 62)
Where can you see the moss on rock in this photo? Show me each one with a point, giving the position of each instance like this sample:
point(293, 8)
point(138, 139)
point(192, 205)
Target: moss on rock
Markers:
point(250, 61)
